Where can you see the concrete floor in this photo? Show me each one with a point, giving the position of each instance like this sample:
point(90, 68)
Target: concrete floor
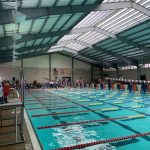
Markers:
point(11, 136)
point(8, 134)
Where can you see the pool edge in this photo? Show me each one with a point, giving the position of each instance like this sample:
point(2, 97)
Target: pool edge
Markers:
point(34, 140)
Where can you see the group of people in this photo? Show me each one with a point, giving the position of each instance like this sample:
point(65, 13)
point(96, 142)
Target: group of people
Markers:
point(111, 85)
point(4, 91)
point(131, 86)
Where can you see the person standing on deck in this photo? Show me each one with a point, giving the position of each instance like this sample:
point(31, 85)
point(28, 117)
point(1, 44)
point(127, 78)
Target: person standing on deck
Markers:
point(6, 90)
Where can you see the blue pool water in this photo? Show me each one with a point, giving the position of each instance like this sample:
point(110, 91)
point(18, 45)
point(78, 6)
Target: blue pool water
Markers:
point(96, 104)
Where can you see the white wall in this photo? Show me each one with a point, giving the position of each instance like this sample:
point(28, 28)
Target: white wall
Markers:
point(83, 70)
point(37, 62)
point(97, 73)
point(37, 68)
point(60, 61)
point(7, 71)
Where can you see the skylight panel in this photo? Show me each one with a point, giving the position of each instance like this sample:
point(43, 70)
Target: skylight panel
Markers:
point(29, 43)
point(144, 3)
point(127, 22)
point(38, 41)
point(1, 31)
point(93, 18)
point(69, 37)
point(123, 19)
point(120, 16)
point(54, 39)
point(56, 46)
point(29, 3)
point(76, 46)
point(50, 22)
point(90, 1)
point(137, 1)
point(31, 51)
point(37, 25)
point(9, 28)
point(130, 24)
point(137, 55)
point(60, 44)
point(63, 2)
point(113, 17)
point(8, 4)
point(61, 22)
point(92, 37)
point(25, 26)
point(110, 1)
point(127, 51)
point(48, 3)
point(21, 44)
point(101, 55)
point(77, 2)
point(93, 53)
point(46, 40)
point(133, 53)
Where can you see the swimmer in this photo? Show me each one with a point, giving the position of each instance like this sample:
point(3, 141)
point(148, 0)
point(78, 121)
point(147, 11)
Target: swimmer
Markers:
point(77, 138)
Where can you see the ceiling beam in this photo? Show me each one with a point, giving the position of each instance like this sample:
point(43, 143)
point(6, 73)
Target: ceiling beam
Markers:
point(130, 42)
point(141, 9)
point(95, 59)
point(124, 40)
point(20, 50)
point(121, 58)
point(32, 13)
point(81, 30)
point(76, 53)
point(4, 42)
point(9, 41)
point(96, 64)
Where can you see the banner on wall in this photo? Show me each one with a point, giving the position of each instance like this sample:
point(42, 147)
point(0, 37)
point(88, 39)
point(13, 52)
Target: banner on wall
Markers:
point(55, 72)
point(62, 71)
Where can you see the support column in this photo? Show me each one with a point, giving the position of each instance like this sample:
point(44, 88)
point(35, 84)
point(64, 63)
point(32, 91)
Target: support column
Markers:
point(117, 72)
point(50, 67)
point(92, 73)
point(22, 98)
point(21, 70)
point(138, 72)
point(72, 70)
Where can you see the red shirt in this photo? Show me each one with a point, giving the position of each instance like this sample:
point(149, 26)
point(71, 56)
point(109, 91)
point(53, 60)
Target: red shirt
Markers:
point(6, 89)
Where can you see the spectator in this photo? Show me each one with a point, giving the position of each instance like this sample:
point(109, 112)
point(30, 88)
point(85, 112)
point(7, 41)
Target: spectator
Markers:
point(6, 87)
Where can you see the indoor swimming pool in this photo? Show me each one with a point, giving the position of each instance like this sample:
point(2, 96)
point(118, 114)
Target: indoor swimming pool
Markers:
point(90, 119)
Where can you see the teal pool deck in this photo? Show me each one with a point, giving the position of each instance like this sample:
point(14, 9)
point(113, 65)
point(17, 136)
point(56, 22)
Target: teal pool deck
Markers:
point(62, 118)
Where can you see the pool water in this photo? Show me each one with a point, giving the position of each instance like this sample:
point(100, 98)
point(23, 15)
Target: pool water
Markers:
point(76, 105)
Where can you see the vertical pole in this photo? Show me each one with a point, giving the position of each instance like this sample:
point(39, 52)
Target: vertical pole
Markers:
point(22, 99)
point(50, 67)
point(16, 125)
point(72, 70)
point(138, 72)
point(91, 72)
point(117, 72)
point(1, 117)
